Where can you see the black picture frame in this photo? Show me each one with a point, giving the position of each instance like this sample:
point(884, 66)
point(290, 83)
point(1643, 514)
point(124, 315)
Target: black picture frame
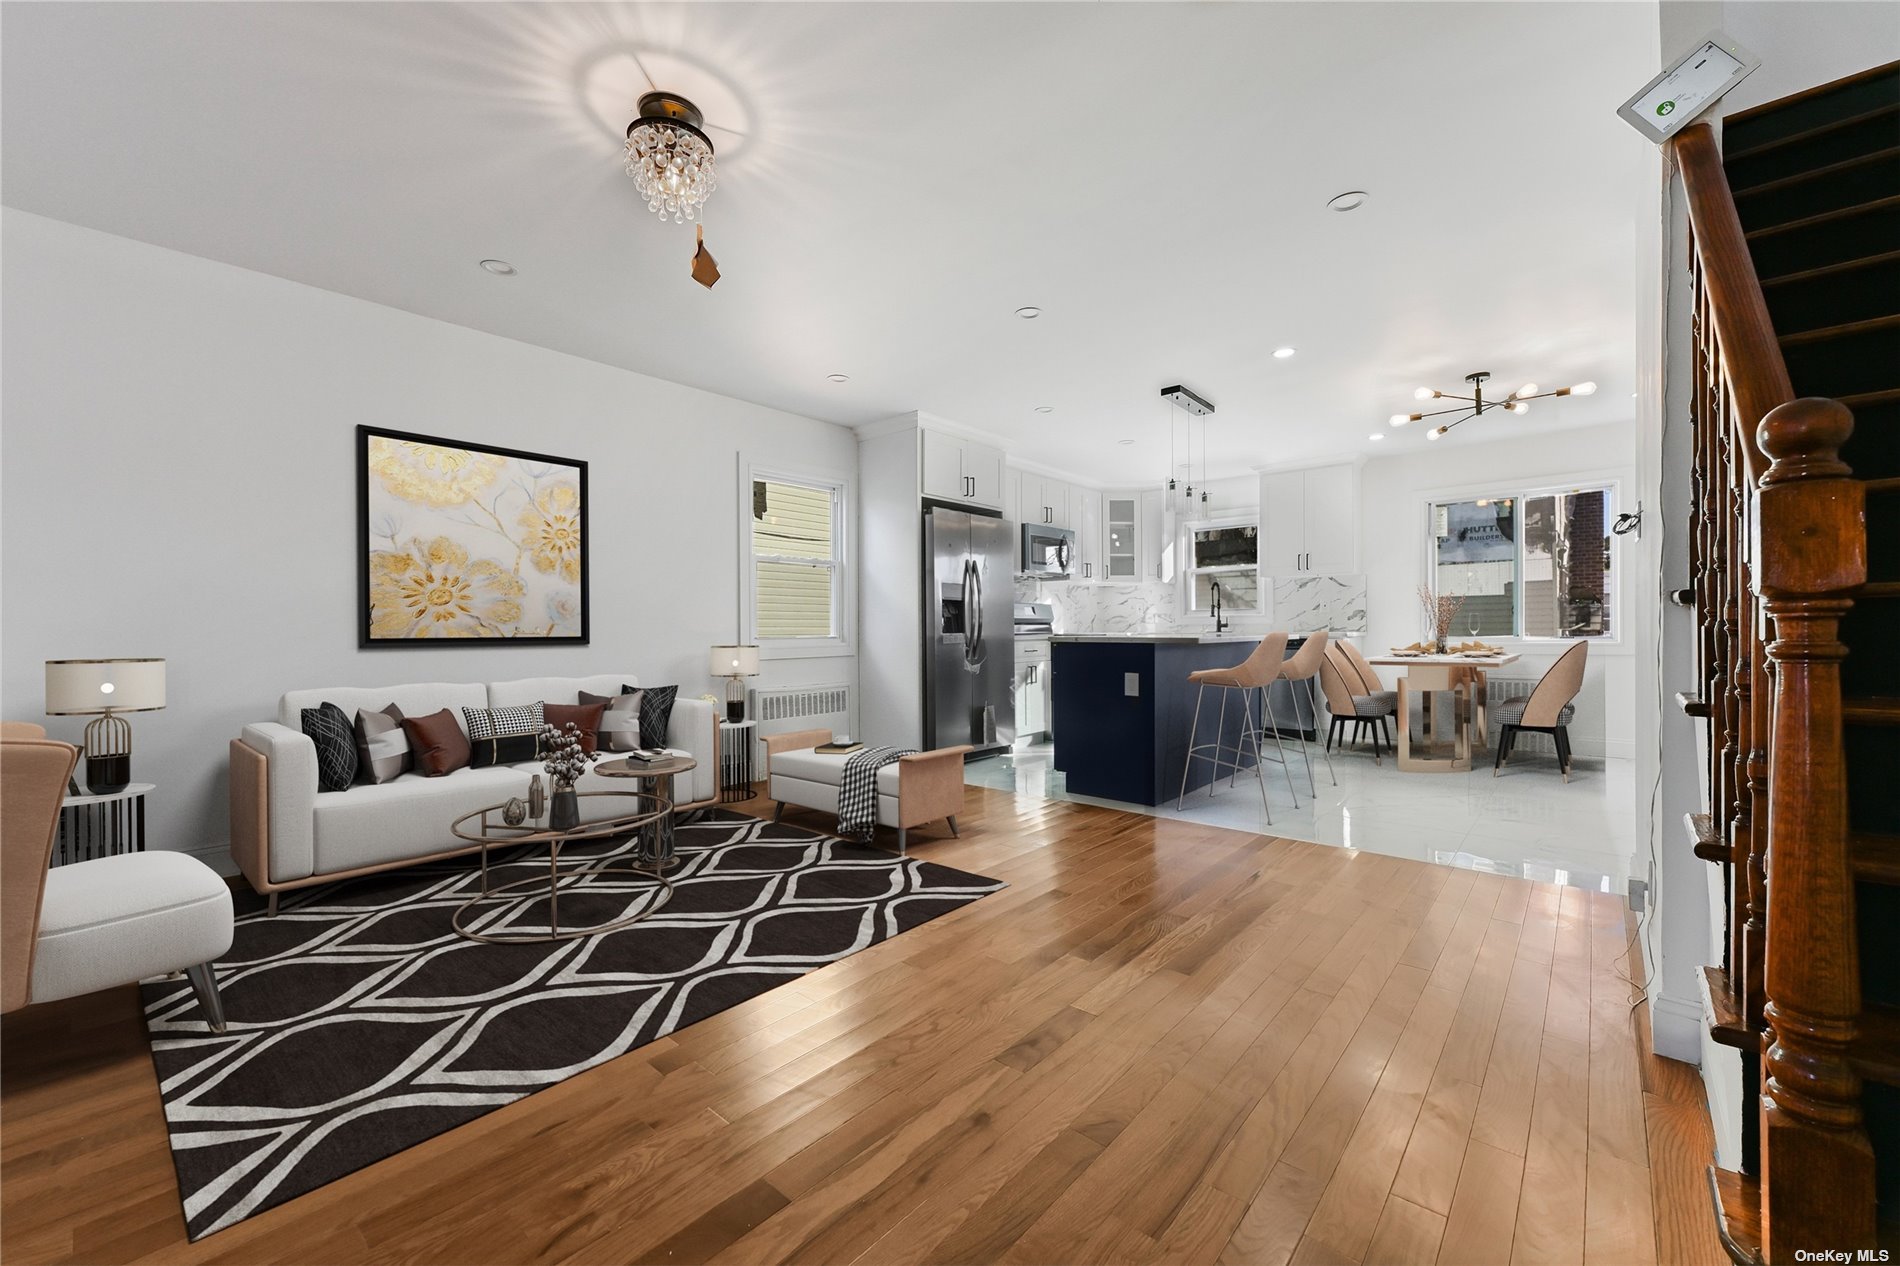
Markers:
point(364, 621)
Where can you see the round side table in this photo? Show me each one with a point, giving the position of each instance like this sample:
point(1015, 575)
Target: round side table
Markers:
point(661, 774)
point(101, 825)
point(735, 760)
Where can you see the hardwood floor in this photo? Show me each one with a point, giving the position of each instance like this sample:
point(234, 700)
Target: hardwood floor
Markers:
point(1163, 1042)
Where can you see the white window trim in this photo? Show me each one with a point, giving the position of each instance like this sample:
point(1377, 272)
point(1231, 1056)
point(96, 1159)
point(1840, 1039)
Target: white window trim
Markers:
point(1246, 516)
point(1523, 491)
point(845, 578)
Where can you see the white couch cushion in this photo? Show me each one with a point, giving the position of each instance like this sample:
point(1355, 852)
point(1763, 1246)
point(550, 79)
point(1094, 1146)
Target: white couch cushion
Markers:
point(418, 699)
point(809, 765)
point(373, 823)
point(120, 919)
point(823, 796)
point(513, 694)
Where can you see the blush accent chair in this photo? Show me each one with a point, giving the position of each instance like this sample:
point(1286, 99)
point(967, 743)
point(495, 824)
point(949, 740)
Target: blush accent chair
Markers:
point(1547, 709)
point(87, 926)
point(1352, 700)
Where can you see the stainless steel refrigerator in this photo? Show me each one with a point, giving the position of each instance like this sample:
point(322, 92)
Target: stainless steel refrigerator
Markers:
point(969, 630)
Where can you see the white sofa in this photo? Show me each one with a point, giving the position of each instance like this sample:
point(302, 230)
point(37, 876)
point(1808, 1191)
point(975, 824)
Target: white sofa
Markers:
point(285, 834)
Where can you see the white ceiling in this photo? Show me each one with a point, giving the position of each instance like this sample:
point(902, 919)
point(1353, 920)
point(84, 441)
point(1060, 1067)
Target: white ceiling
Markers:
point(895, 180)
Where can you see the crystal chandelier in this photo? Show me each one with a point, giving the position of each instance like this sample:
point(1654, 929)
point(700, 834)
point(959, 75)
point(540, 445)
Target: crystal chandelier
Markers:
point(669, 158)
point(1475, 403)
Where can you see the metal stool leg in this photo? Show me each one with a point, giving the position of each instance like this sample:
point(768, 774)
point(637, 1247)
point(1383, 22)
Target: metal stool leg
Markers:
point(1193, 729)
point(1220, 741)
point(1291, 789)
point(1312, 702)
point(1259, 764)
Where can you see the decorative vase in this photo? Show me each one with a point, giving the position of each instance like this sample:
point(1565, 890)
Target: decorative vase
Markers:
point(564, 810)
point(537, 797)
point(1440, 644)
point(515, 812)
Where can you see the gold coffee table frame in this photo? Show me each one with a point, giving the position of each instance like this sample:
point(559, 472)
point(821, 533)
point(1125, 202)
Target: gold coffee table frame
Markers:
point(486, 828)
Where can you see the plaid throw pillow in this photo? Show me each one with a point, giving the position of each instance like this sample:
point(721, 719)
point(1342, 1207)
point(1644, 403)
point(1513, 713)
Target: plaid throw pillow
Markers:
point(489, 723)
point(335, 739)
point(656, 714)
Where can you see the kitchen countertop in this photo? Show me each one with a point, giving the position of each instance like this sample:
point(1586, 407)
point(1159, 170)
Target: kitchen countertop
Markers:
point(1184, 639)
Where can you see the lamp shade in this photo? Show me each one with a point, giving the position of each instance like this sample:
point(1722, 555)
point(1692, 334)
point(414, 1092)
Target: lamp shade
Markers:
point(85, 687)
point(733, 661)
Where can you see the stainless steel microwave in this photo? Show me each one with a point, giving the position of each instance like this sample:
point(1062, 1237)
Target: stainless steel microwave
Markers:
point(1048, 551)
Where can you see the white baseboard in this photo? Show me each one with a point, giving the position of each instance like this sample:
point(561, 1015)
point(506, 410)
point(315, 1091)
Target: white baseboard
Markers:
point(1675, 1027)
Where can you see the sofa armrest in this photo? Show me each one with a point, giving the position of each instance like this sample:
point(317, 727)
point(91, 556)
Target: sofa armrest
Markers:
point(791, 741)
point(694, 728)
point(290, 799)
point(930, 785)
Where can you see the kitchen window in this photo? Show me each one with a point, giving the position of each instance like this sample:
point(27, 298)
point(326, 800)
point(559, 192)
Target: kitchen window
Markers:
point(1534, 565)
point(1228, 555)
point(797, 589)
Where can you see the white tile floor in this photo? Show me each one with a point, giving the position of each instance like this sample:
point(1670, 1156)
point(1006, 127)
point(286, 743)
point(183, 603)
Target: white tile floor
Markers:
point(1527, 822)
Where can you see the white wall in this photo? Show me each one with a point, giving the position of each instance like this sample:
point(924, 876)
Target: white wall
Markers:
point(1801, 43)
point(178, 480)
point(1394, 492)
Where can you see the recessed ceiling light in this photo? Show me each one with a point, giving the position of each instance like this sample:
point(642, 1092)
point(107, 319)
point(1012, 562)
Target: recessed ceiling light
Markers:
point(1281, 353)
point(837, 377)
point(1376, 436)
point(1045, 408)
point(499, 267)
point(1124, 443)
point(1029, 314)
point(1351, 200)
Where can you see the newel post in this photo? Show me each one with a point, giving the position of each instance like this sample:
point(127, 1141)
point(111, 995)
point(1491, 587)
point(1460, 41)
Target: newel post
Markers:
point(1810, 551)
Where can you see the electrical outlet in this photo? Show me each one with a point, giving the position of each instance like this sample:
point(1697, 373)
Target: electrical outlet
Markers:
point(1131, 685)
point(1639, 894)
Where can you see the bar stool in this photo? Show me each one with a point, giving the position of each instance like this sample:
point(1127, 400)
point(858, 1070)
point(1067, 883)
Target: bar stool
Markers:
point(1304, 666)
point(1258, 671)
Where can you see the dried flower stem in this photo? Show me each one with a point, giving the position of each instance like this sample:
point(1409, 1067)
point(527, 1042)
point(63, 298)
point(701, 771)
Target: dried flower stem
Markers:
point(1440, 609)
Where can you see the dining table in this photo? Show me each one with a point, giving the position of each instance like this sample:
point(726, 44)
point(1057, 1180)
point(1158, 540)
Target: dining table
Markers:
point(1460, 675)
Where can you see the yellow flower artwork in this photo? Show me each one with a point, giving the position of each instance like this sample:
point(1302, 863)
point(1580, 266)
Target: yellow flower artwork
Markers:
point(470, 543)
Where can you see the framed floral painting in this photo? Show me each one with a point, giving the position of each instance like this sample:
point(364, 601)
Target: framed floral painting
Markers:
point(468, 544)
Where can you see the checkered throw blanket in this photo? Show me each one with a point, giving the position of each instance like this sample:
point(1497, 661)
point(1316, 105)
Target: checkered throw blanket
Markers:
point(857, 789)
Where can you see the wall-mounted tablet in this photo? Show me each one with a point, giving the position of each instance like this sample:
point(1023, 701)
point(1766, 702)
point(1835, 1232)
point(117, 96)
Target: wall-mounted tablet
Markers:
point(1671, 101)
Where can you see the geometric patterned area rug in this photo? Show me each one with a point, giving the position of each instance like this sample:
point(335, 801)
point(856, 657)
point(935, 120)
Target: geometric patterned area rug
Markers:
point(358, 1023)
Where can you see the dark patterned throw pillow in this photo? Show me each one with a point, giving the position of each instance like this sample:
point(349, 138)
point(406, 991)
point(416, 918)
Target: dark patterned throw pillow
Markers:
point(619, 729)
point(503, 736)
point(656, 713)
point(335, 739)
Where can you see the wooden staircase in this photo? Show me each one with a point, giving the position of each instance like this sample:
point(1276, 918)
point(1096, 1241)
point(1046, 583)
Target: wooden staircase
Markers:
point(1795, 554)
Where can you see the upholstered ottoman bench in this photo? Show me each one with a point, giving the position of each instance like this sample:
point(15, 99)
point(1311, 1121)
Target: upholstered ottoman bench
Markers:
point(911, 791)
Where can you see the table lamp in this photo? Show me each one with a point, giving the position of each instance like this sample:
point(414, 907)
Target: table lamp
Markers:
point(104, 688)
point(735, 664)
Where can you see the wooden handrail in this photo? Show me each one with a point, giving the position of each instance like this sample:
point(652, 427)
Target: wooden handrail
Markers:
point(1751, 355)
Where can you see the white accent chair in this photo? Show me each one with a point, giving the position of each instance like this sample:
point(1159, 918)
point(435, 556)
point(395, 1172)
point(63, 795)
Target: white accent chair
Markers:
point(76, 929)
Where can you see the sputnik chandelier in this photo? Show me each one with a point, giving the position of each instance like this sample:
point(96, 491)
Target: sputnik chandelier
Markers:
point(1475, 404)
point(669, 158)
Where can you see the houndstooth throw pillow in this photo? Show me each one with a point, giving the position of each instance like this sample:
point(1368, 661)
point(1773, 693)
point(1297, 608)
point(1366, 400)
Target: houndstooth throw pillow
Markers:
point(491, 723)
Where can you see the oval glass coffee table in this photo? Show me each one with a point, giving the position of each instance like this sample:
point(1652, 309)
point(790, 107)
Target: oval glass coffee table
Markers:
point(661, 773)
point(631, 812)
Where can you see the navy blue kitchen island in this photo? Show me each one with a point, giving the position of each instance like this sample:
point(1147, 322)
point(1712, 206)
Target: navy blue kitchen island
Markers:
point(1123, 705)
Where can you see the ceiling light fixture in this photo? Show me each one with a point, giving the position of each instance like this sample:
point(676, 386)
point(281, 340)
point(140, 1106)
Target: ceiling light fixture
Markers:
point(1194, 406)
point(1029, 314)
point(499, 267)
point(1477, 404)
point(1351, 200)
point(669, 158)
point(1376, 436)
point(837, 377)
point(1281, 353)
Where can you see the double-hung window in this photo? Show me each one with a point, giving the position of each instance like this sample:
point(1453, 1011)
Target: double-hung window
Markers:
point(797, 563)
point(1527, 564)
point(1228, 555)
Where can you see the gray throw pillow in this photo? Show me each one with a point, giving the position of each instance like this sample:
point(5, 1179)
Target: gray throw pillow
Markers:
point(382, 745)
point(620, 722)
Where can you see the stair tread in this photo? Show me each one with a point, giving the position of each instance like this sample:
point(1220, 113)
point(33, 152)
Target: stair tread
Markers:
point(1832, 125)
point(1824, 217)
point(1845, 330)
point(1882, 588)
point(1692, 704)
point(1884, 396)
point(1876, 857)
point(1871, 710)
point(1737, 1202)
point(1826, 169)
point(1880, 485)
point(1830, 270)
point(1876, 1050)
point(1723, 1014)
point(1705, 839)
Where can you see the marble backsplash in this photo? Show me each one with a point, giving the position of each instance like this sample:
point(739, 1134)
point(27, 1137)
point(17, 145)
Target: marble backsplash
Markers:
point(1335, 603)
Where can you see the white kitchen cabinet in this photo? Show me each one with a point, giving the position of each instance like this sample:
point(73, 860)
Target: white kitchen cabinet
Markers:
point(1033, 693)
point(1309, 521)
point(1121, 536)
point(1154, 537)
point(956, 469)
point(1085, 513)
point(1044, 500)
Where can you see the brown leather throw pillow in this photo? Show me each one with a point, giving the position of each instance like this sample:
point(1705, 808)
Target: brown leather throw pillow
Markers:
point(438, 742)
point(585, 716)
